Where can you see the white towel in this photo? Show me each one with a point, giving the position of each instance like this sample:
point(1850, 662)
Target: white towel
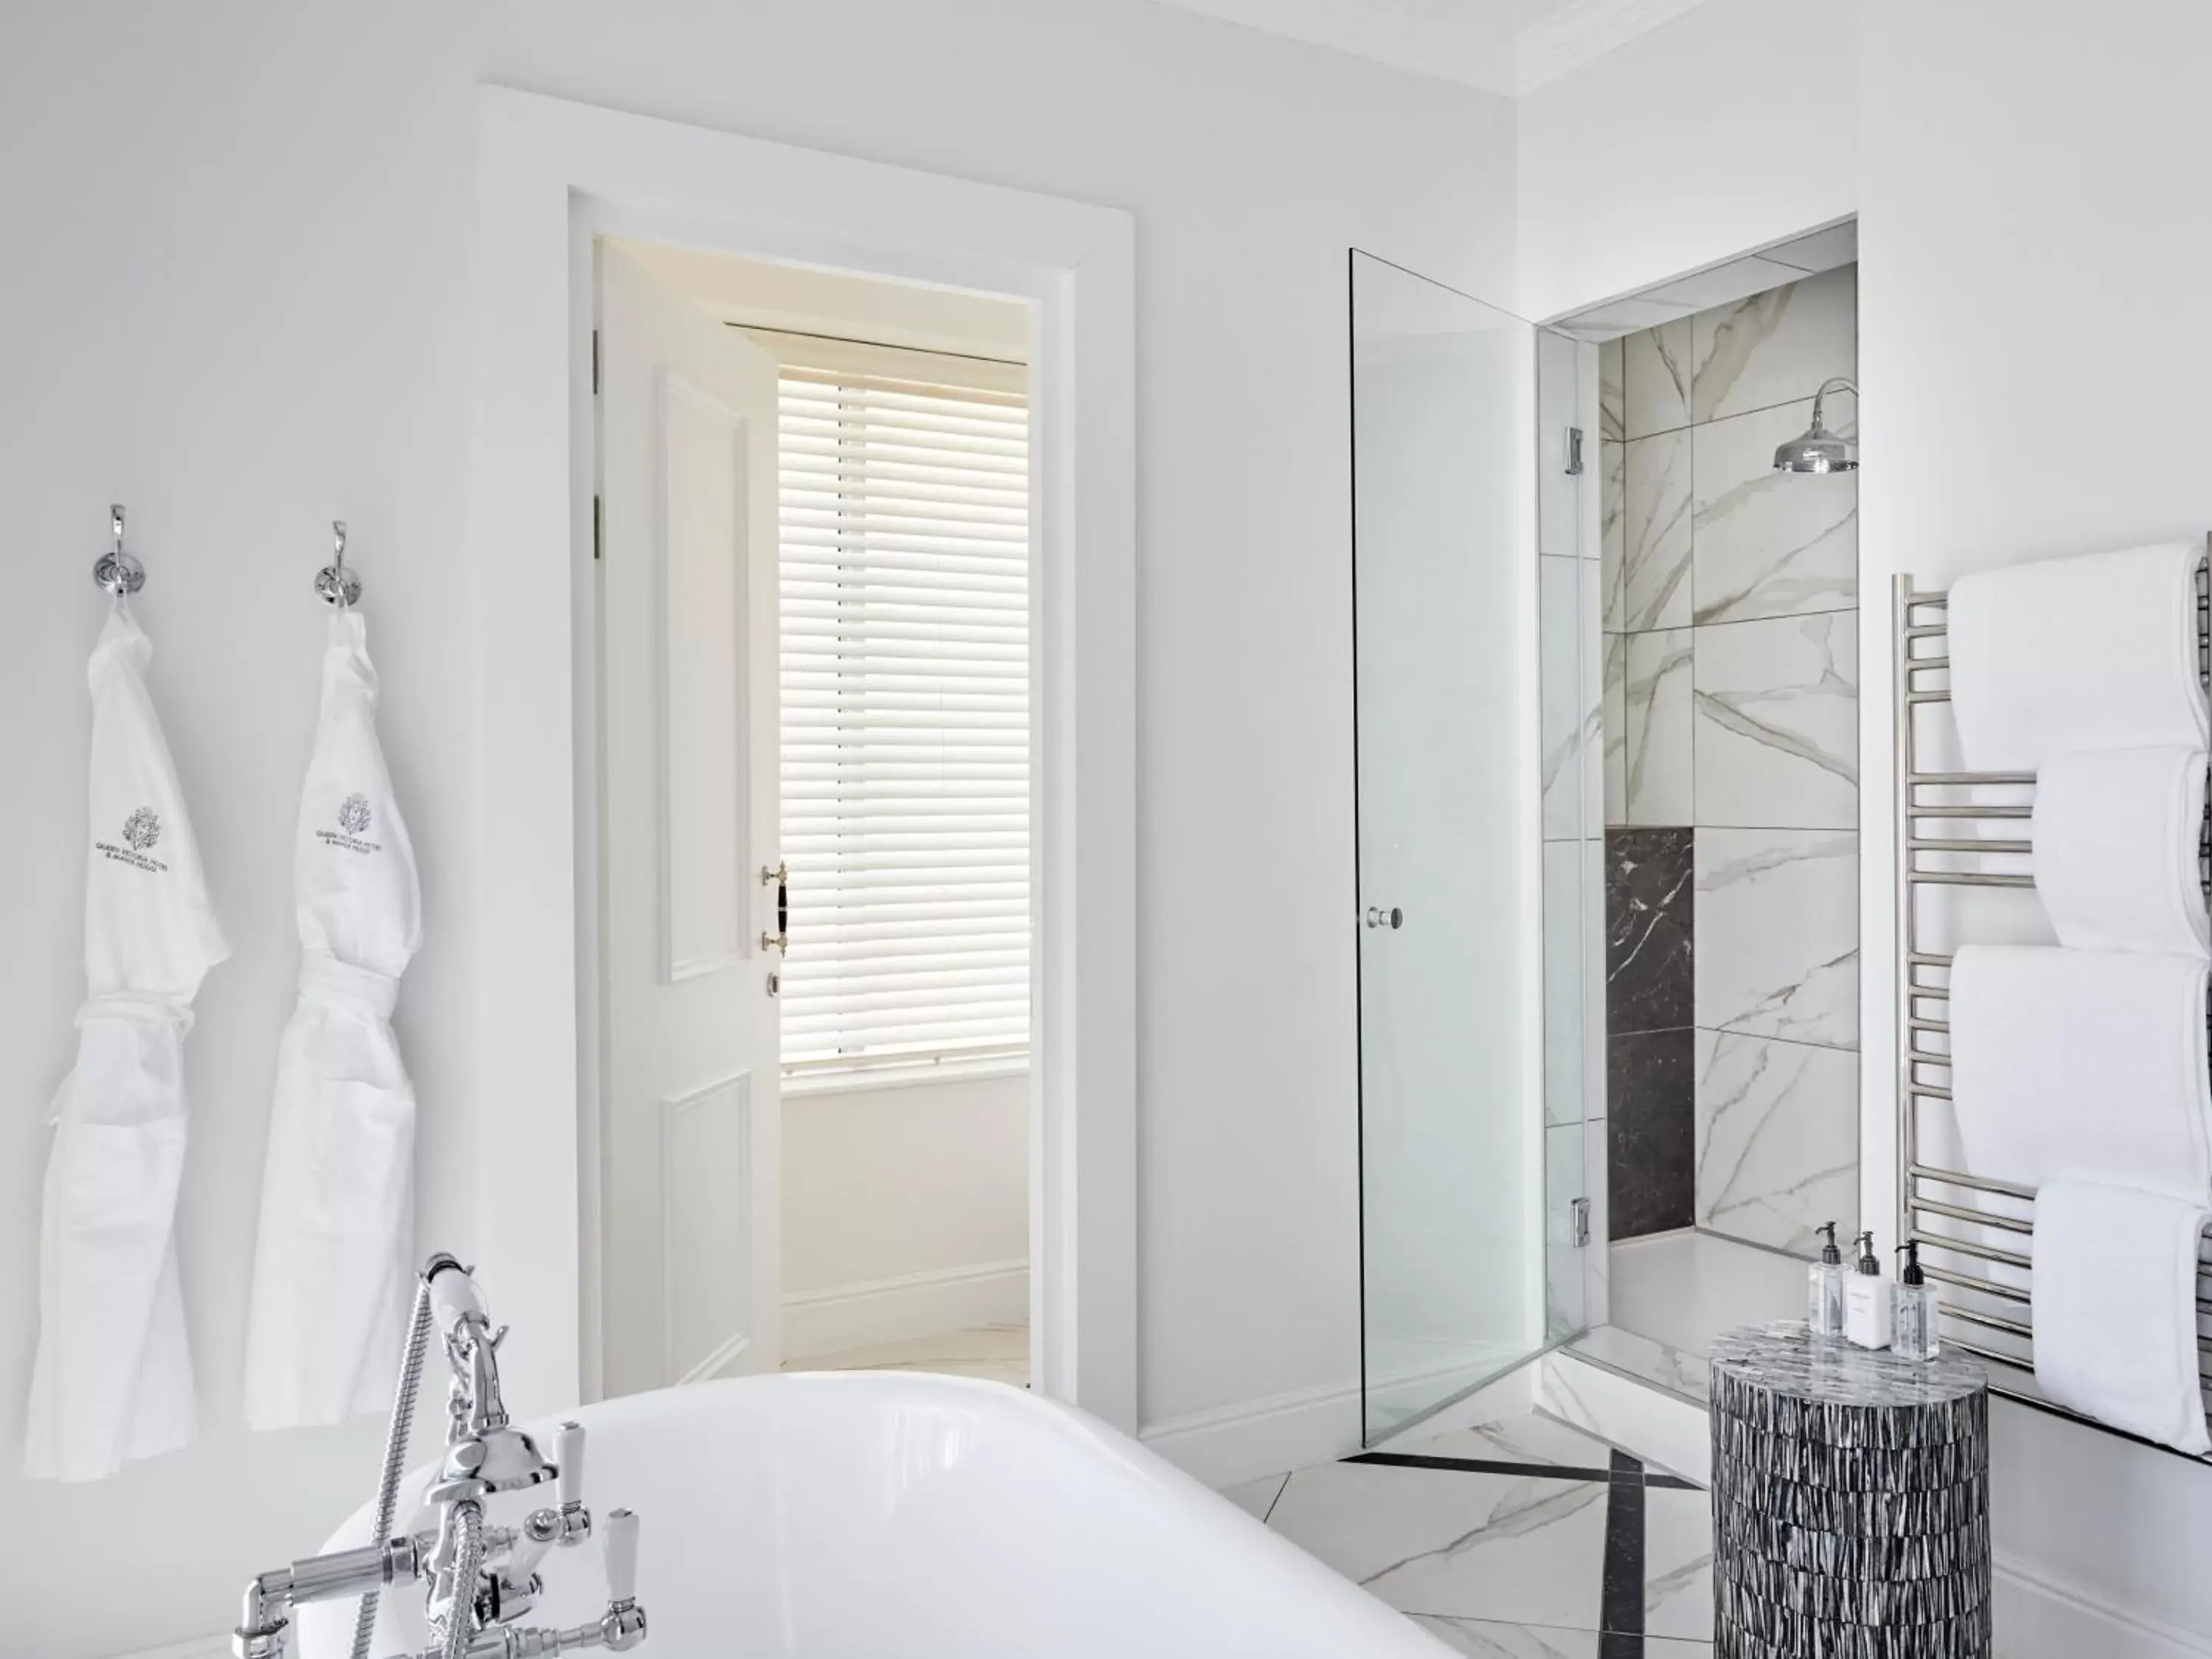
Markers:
point(2115, 837)
point(2081, 1066)
point(2115, 1309)
point(2091, 652)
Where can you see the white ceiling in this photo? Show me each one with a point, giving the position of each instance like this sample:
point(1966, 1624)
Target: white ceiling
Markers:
point(1508, 46)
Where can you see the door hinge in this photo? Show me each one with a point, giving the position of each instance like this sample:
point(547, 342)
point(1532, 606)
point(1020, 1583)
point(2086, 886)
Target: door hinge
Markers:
point(1574, 447)
point(595, 363)
point(1578, 1218)
point(595, 526)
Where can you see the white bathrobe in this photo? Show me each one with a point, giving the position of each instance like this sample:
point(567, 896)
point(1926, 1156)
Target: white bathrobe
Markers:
point(332, 1270)
point(113, 1378)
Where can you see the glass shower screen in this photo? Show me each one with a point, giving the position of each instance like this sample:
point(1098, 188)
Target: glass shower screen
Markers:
point(1453, 1205)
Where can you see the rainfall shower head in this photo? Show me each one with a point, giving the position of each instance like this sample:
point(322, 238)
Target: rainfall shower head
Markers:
point(1821, 450)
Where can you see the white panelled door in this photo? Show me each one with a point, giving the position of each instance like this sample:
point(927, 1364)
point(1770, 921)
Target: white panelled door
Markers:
point(689, 1224)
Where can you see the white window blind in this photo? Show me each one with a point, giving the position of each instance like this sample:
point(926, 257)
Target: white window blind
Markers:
point(904, 488)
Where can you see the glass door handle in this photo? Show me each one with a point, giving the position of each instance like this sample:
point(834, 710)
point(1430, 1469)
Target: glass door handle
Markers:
point(1379, 917)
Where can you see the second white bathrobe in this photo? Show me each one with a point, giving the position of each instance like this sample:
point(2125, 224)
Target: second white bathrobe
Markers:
point(330, 1272)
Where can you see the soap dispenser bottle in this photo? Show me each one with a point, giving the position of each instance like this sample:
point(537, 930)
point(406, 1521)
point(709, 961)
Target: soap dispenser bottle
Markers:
point(1913, 1333)
point(1824, 1290)
point(1866, 1315)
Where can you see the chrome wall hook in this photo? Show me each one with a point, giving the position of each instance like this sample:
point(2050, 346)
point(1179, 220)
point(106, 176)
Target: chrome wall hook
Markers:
point(335, 584)
point(117, 571)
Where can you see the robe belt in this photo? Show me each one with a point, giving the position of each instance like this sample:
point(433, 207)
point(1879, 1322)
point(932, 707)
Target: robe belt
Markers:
point(337, 984)
point(149, 1008)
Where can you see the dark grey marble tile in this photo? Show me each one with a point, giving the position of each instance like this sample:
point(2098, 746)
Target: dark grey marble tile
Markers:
point(1649, 901)
point(1650, 1138)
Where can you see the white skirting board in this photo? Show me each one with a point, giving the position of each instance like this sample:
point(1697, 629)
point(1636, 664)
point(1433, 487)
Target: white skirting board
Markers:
point(199, 1647)
point(816, 1322)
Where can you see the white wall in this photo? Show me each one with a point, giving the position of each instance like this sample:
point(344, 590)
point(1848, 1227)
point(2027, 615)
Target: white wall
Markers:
point(1728, 128)
point(237, 241)
point(2033, 235)
point(903, 1207)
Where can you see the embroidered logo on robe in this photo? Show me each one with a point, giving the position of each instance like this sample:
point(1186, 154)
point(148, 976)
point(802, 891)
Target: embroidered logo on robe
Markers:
point(354, 817)
point(140, 831)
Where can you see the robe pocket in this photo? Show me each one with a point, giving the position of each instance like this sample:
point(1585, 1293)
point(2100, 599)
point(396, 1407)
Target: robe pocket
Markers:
point(114, 1189)
point(361, 1158)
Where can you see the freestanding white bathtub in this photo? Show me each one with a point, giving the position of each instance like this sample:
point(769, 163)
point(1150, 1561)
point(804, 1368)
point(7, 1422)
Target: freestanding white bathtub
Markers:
point(894, 1515)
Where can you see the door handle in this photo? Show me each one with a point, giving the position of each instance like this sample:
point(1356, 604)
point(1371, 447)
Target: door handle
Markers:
point(779, 878)
point(1379, 917)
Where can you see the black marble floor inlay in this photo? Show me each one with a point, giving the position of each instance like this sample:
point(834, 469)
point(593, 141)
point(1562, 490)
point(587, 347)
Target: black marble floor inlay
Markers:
point(1651, 1154)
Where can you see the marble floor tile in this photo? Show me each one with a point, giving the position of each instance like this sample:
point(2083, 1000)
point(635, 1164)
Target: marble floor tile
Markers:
point(1611, 395)
point(1770, 544)
point(1656, 376)
point(1678, 1563)
point(1658, 710)
point(1256, 1498)
point(1682, 1290)
point(1777, 733)
point(1487, 1639)
point(1774, 347)
point(1000, 1353)
point(1649, 921)
point(1655, 533)
point(1777, 927)
point(1777, 1139)
point(1613, 532)
point(1526, 1439)
point(1651, 1170)
point(1618, 1348)
point(1519, 1549)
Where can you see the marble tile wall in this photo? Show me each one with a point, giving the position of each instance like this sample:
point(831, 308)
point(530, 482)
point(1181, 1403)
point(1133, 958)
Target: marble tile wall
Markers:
point(1728, 713)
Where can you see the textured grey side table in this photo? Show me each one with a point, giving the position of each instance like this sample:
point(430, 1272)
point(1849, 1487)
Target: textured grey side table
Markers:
point(1850, 1501)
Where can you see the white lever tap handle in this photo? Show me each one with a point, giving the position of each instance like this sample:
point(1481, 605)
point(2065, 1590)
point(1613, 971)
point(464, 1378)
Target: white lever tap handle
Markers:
point(622, 1556)
point(568, 1458)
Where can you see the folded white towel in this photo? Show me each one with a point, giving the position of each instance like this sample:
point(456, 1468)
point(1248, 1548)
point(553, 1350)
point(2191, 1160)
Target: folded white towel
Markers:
point(2115, 836)
point(2081, 1066)
point(2091, 652)
point(2115, 1309)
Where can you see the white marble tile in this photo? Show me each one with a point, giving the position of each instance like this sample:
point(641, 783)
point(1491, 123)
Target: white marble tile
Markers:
point(1612, 531)
point(1777, 1128)
point(1521, 1549)
point(1656, 534)
point(1677, 1370)
point(1566, 936)
point(1656, 706)
point(1611, 395)
point(1256, 1498)
point(1525, 1439)
point(1563, 717)
point(1777, 722)
point(1614, 721)
point(1678, 1563)
point(1777, 925)
point(1565, 1293)
point(1655, 372)
point(1770, 543)
point(1667, 1432)
point(1486, 1638)
point(1589, 657)
point(1773, 347)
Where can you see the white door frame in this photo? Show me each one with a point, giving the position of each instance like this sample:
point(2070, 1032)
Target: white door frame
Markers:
point(550, 174)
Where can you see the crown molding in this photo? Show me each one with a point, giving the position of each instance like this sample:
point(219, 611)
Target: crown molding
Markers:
point(1586, 30)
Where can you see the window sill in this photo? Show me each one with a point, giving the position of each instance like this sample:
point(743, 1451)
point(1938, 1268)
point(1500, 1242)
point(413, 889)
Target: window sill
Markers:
point(901, 1077)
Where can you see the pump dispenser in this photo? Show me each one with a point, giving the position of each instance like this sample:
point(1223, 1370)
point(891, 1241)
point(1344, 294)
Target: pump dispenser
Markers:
point(1913, 1323)
point(1824, 1290)
point(1866, 1311)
